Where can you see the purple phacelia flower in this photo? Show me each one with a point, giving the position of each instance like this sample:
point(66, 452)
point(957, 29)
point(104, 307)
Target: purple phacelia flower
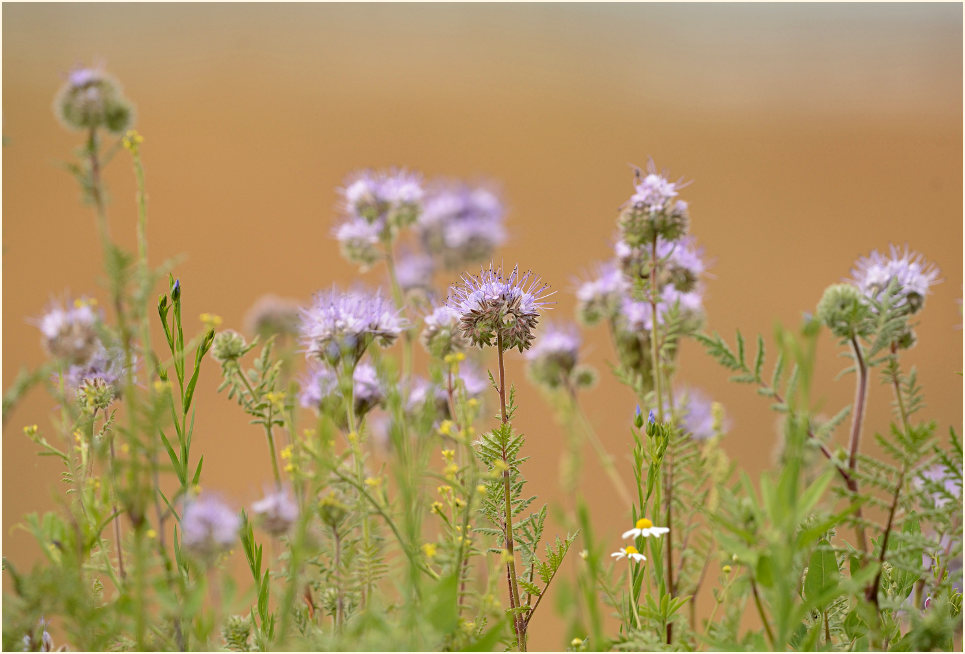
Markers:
point(602, 296)
point(414, 271)
point(554, 356)
point(494, 308)
point(461, 223)
point(358, 240)
point(277, 511)
point(653, 191)
point(99, 380)
point(442, 333)
point(698, 417)
point(388, 199)
point(70, 331)
point(208, 526)
point(320, 390)
point(271, 315)
point(91, 99)
point(340, 326)
point(914, 276)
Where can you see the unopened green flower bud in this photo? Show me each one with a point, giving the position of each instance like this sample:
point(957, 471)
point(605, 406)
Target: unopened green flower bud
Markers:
point(584, 377)
point(844, 310)
point(228, 345)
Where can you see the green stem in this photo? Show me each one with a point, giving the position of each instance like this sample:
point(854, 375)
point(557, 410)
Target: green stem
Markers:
point(509, 536)
point(760, 611)
point(630, 597)
point(605, 459)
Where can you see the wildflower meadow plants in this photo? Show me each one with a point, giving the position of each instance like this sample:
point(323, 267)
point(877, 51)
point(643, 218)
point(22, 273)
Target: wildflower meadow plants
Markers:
point(397, 515)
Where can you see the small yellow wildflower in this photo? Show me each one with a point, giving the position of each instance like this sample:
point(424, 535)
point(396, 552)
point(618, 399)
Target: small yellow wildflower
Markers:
point(429, 549)
point(726, 569)
point(276, 398)
point(584, 554)
point(151, 534)
point(445, 428)
point(473, 402)
point(286, 452)
point(131, 140)
point(459, 502)
point(469, 626)
point(31, 430)
point(450, 471)
point(160, 386)
point(438, 507)
point(373, 481)
point(352, 437)
point(481, 489)
point(576, 642)
point(448, 455)
point(211, 320)
point(125, 448)
point(444, 490)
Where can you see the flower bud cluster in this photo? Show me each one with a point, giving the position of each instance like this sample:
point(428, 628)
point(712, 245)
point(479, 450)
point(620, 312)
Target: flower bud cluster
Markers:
point(461, 224)
point(91, 99)
point(553, 361)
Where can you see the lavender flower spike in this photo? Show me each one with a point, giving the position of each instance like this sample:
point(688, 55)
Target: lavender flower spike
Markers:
point(914, 275)
point(208, 526)
point(492, 306)
point(339, 327)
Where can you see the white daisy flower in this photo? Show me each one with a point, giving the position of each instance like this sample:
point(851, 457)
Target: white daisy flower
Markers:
point(645, 528)
point(629, 552)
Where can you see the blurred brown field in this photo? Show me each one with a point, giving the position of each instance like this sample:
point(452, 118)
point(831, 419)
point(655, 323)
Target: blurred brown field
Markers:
point(812, 133)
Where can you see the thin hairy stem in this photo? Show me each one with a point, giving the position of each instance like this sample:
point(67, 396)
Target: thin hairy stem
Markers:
point(860, 397)
point(605, 459)
point(760, 611)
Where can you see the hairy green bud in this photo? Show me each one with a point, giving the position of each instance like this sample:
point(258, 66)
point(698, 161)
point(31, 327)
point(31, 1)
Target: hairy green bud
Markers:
point(228, 345)
point(844, 310)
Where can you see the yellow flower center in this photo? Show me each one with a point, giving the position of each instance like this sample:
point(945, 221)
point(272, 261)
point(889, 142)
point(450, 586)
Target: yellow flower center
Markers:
point(644, 523)
point(632, 550)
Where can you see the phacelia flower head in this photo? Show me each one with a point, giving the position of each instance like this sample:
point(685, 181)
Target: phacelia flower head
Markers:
point(555, 355)
point(340, 326)
point(653, 211)
point(497, 308)
point(99, 380)
point(70, 331)
point(414, 271)
point(913, 275)
point(845, 310)
point(90, 99)
point(462, 224)
point(277, 511)
point(320, 390)
point(702, 418)
point(601, 298)
point(358, 241)
point(272, 315)
point(388, 200)
point(442, 333)
point(208, 526)
point(680, 262)
point(425, 392)
point(228, 345)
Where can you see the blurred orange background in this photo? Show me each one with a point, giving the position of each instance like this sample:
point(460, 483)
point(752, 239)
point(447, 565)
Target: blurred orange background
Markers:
point(813, 134)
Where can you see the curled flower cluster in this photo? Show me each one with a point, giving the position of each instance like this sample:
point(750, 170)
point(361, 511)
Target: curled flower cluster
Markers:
point(655, 262)
point(552, 361)
point(462, 224)
point(376, 205)
point(320, 390)
point(493, 307)
point(98, 381)
point(272, 315)
point(702, 418)
point(442, 334)
point(902, 280)
point(208, 526)
point(908, 270)
point(276, 511)
point(424, 391)
point(70, 331)
point(339, 327)
point(91, 99)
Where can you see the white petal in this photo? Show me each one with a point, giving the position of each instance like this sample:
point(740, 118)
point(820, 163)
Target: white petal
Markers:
point(638, 557)
point(619, 555)
point(632, 532)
